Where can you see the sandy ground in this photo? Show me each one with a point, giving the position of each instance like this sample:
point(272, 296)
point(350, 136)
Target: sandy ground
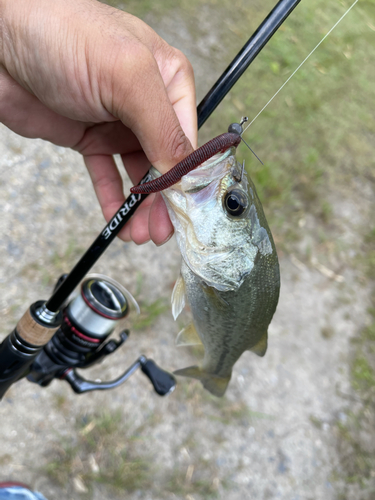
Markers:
point(274, 434)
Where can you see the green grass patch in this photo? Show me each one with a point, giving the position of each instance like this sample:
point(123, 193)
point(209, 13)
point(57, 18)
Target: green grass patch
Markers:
point(188, 9)
point(222, 410)
point(363, 376)
point(369, 248)
point(357, 459)
point(355, 437)
point(55, 264)
point(149, 313)
point(368, 333)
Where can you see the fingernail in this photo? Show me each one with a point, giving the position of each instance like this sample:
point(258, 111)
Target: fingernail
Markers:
point(166, 239)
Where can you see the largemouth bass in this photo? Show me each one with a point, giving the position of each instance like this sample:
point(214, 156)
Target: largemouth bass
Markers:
point(230, 271)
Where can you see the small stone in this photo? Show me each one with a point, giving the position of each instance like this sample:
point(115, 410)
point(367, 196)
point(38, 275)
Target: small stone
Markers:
point(79, 485)
point(93, 464)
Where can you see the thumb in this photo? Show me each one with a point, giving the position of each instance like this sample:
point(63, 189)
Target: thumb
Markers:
point(158, 108)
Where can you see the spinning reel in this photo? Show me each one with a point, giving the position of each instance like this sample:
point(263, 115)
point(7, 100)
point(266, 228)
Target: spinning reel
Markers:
point(81, 341)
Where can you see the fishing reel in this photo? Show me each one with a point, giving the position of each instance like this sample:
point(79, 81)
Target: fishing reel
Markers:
point(81, 340)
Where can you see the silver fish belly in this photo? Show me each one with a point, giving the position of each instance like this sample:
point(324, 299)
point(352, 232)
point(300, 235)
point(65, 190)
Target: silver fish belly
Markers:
point(230, 271)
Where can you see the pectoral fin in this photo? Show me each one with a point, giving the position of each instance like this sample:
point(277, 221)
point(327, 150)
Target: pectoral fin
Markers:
point(261, 347)
point(188, 336)
point(215, 385)
point(178, 297)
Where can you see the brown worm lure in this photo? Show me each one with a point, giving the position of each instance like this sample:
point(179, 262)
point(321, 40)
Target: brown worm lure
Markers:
point(217, 145)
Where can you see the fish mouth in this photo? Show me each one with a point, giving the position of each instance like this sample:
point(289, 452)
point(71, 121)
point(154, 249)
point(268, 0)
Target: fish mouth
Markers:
point(206, 173)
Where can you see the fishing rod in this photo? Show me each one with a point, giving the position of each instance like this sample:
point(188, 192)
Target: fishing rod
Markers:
point(54, 337)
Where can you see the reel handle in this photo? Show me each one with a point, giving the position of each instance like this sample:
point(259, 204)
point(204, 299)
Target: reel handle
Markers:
point(163, 382)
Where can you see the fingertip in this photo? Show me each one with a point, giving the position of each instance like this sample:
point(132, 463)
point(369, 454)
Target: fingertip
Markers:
point(139, 224)
point(160, 225)
point(124, 234)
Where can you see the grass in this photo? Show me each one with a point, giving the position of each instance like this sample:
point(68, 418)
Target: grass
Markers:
point(355, 436)
point(203, 405)
point(357, 460)
point(232, 413)
point(363, 374)
point(195, 479)
point(198, 476)
point(55, 264)
point(369, 249)
point(149, 313)
point(103, 452)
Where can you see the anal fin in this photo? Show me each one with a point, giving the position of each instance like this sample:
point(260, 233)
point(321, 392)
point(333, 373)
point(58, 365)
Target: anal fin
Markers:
point(260, 347)
point(188, 336)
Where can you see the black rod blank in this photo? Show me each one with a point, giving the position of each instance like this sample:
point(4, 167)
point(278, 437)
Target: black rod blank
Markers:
point(111, 230)
point(244, 58)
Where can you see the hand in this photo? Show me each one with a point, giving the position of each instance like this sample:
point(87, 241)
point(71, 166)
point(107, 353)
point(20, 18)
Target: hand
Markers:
point(84, 75)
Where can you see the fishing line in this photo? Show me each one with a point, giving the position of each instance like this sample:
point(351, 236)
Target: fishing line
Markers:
point(303, 62)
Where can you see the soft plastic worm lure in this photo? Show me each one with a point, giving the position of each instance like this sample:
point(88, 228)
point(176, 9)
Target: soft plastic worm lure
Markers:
point(217, 145)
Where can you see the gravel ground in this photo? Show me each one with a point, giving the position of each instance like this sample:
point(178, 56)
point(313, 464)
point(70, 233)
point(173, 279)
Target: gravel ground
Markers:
point(273, 436)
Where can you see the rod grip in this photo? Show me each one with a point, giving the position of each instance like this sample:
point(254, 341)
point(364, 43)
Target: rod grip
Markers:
point(19, 349)
point(34, 333)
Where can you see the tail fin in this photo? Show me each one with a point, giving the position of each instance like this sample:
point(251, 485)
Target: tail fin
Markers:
point(215, 385)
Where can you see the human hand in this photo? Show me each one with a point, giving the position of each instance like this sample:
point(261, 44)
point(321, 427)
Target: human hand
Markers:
point(84, 75)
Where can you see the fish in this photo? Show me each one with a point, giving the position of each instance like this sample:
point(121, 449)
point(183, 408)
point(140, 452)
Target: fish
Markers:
point(230, 274)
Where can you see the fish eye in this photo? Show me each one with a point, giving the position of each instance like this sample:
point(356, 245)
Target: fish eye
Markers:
point(235, 202)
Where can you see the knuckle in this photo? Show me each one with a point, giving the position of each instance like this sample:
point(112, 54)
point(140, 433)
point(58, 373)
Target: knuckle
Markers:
point(176, 143)
point(184, 63)
point(139, 57)
point(179, 64)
